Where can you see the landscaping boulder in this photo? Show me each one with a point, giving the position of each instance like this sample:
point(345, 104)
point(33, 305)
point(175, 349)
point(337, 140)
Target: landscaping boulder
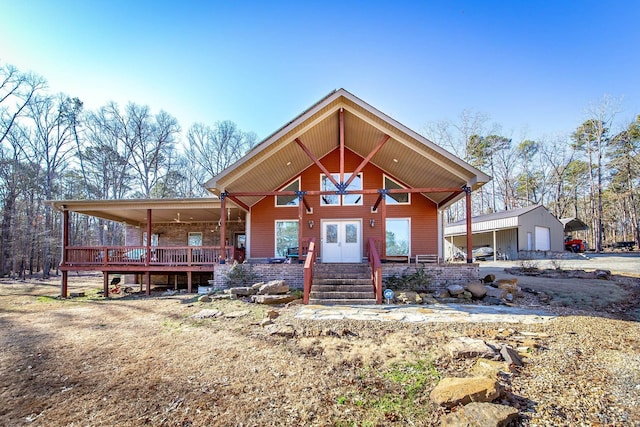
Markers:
point(243, 291)
point(493, 292)
point(204, 298)
point(455, 290)
point(452, 392)
point(272, 299)
point(480, 414)
point(274, 287)
point(409, 297)
point(477, 290)
point(510, 355)
point(441, 293)
point(489, 278)
point(465, 347)
point(488, 368)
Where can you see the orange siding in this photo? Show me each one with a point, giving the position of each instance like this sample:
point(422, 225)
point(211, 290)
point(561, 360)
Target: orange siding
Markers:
point(422, 211)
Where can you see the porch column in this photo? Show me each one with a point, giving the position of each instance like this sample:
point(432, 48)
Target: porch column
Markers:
point(383, 226)
point(65, 245)
point(467, 191)
point(495, 254)
point(148, 243)
point(189, 281)
point(147, 279)
point(300, 219)
point(105, 284)
point(223, 225)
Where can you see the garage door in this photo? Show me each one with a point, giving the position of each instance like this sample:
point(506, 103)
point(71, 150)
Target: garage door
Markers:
point(543, 239)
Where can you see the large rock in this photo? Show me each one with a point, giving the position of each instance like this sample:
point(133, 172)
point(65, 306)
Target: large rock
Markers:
point(272, 299)
point(464, 347)
point(452, 392)
point(489, 278)
point(205, 314)
point(493, 292)
point(480, 414)
point(477, 290)
point(455, 290)
point(488, 368)
point(243, 291)
point(274, 287)
point(409, 297)
point(286, 331)
point(510, 355)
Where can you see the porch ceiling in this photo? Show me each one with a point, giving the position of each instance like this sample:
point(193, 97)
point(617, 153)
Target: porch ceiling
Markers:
point(407, 156)
point(134, 212)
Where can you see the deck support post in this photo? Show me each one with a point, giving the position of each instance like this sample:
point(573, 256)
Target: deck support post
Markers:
point(189, 281)
point(64, 286)
point(105, 284)
point(147, 281)
point(223, 227)
point(467, 191)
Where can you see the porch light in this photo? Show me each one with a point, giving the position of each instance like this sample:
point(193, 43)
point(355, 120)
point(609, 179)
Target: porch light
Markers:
point(372, 222)
point(310, 223)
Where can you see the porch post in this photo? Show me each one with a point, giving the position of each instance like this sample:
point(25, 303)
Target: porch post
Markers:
point(342, 146)
point(383, 226)
point(495, 254)
point(467, 191)
point(148, 243)
point(223, 225)
point(65, 245)
point(147, 279)
point(105, 284)
point(189, 281)
point(300, 218)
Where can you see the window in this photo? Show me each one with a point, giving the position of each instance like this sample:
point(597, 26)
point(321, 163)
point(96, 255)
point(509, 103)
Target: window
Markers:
point(286, 236)
point(398, 236)
point(154, 239)
point(195, 239)
point(289, 200)
point(396, 198)
point(336, 199)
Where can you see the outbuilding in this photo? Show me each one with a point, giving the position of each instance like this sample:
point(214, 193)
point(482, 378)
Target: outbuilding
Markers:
point(530, 232)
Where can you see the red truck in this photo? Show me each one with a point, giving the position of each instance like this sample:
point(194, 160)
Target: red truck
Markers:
point(574, 245)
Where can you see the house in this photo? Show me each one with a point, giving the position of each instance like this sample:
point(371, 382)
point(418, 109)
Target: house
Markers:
point(341, 183)
point(518, 233)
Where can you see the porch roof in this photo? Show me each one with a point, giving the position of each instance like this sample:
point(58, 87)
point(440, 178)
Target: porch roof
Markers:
point(406, 155)
point(134, 211)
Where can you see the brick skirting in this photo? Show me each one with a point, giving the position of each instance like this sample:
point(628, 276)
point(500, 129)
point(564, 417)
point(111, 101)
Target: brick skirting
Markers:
point(293, 274)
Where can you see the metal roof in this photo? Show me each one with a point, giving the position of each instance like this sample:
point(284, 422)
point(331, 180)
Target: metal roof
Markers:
point(408, 156)
point(488, 222)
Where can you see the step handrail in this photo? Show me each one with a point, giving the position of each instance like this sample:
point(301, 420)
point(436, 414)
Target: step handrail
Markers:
point(376, 270)
point(308, 269)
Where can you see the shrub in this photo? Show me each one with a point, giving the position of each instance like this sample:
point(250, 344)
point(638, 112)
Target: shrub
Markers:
point(241, 275)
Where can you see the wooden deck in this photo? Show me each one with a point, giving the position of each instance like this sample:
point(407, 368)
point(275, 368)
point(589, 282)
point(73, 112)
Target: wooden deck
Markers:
point(144, 261)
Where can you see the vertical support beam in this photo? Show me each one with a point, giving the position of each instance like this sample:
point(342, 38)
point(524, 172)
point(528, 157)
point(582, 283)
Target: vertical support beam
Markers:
point(64, 286)
point(105, 284)
point(383, 227)
point(147, 280)
point(148, 243)
point(223, 227)
point(495, 250)
point(300, 227)
point(467, 191)
point(341, 145)
point(189, 281)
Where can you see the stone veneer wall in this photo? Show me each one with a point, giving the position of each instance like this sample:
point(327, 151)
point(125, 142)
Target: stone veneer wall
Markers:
point(293, 274)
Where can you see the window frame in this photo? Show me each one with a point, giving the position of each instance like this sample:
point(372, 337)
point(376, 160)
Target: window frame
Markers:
point(389, 200)
point(275, 236)
point(195, 233)
point(341, 199)
point(408, 221)
point(296, 200)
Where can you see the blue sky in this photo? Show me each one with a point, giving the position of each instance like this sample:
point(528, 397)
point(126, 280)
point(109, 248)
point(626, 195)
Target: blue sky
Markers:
point(532, 65)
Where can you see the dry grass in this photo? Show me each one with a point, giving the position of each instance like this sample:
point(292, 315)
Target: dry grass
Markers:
point(144, 361)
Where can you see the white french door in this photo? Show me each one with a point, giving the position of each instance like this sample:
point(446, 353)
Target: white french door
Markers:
point(341, 241)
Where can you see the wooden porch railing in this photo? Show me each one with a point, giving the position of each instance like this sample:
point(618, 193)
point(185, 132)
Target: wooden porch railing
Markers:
point(137, 255)
point(376, 270)
point(308, 269)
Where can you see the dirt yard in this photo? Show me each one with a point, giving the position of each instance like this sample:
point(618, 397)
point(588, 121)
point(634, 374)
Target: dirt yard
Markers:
point(146, 361)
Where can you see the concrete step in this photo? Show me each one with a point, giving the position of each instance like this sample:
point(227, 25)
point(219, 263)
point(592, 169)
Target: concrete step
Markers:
point(365, 301)
point(337, 295)
point(339, 287)
point(334, 275)
point(341, 281)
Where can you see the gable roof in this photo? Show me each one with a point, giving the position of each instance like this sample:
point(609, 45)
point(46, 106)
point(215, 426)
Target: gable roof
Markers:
point(407, 155)
point(493, 221)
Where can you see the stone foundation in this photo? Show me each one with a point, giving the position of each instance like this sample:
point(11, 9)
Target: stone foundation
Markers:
point(293, 274)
